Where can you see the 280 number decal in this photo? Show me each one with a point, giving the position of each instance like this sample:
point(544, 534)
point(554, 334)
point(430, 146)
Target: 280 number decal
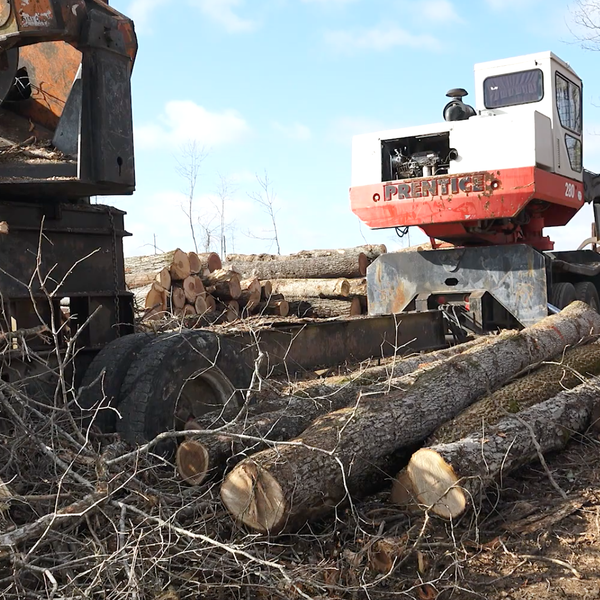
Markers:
point(569, 190)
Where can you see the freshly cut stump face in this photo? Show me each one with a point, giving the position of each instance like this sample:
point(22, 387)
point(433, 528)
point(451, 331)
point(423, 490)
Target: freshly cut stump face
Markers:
point(254, 497)
point(435, 484)
point(192, 462)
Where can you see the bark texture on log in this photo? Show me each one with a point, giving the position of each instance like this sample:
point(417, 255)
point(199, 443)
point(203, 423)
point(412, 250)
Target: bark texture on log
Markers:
point(319, 267)
point(278, 308)
point(564, 373)
point(312, 288)
point(342, 451)
point(371, 251)
point(285, 418)
point(447, 477)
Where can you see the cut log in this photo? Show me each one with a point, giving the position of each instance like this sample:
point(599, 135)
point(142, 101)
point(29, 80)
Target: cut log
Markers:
point(564, 373)
point(200, 305)
point(326, 309)
point(342, 452)
point(156, 297)
point(358, 287)
point(199, 263)
point(192, 287)
point(223, 284)
point(312, 288)
point(300, 308)
point(164, 278)
point(250, 295)
point(189, 310)
point(229, 310)
point(211, 303)
point(446, 478)
point(287, 417)
point(180, 267)
point(266, 289)
point(277, 308)
point(371, 251)
point(177, 298)
point(319, 267)
point(139, 267)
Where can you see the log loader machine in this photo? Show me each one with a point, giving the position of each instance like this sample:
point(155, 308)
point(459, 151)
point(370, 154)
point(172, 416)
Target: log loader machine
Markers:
point(483, 185)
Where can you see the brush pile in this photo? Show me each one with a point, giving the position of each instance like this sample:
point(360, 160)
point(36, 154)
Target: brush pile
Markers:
point(83, 515)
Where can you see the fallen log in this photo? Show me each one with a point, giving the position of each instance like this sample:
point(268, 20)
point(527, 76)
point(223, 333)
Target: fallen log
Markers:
point(371, 251)
point(138, 266)
point(156, 297)
point(312, 288)
point(250, 295)
point(177, 298)
point(319, 267)
point(446, 478)
point(283, 487)
point(200, 305)
point(564, 373)
point(285, 418)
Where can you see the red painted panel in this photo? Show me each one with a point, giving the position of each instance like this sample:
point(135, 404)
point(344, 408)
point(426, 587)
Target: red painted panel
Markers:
point(499, 194)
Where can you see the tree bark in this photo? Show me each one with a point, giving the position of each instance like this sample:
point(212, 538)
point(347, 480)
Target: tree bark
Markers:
point(318, 267)
point(371, 251)
point(446, 478)
point(564, 373)
point(287, 417)
point(326, 309)
point(341, 452)
point(314, 288)
point(224, 284)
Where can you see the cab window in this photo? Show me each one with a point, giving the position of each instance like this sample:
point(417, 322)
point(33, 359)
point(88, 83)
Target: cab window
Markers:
point(511, 89)
point(568, 103)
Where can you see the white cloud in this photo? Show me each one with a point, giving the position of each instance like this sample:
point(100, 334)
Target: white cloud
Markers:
point(295, 131)
point(219, 11)
point(222, 12)
point(509, 4)
point(379, 38)
point(184, 120)
point(343, 128)
point(437, 10)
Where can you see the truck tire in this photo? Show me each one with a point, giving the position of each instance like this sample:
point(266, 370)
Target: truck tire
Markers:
point(104, 377)
point(586, 292)
point(563, 294)
point(176, 378)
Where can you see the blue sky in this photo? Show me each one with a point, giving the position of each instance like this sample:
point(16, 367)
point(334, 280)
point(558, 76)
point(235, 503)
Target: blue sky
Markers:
point(280, 86)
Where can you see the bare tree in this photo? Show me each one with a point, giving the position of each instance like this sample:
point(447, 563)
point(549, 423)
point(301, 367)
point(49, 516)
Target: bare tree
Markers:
point(586, 15)
point(188, 166)
point(225, 191)
point(266, 199)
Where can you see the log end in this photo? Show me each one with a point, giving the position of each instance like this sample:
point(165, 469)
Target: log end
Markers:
point(192, 461)
point(403, 493)
point(363, 263)
point(253, 496)
point(435, 484)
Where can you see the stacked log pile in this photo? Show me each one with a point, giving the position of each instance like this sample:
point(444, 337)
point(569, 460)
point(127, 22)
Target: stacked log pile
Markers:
point(311, 283)
point(318, 283)
point(348, 437)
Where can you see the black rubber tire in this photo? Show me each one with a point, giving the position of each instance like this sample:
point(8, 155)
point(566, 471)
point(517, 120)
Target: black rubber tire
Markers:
point(586, 292)
point(102, 381)
point(179, 376)
point(563, 294)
